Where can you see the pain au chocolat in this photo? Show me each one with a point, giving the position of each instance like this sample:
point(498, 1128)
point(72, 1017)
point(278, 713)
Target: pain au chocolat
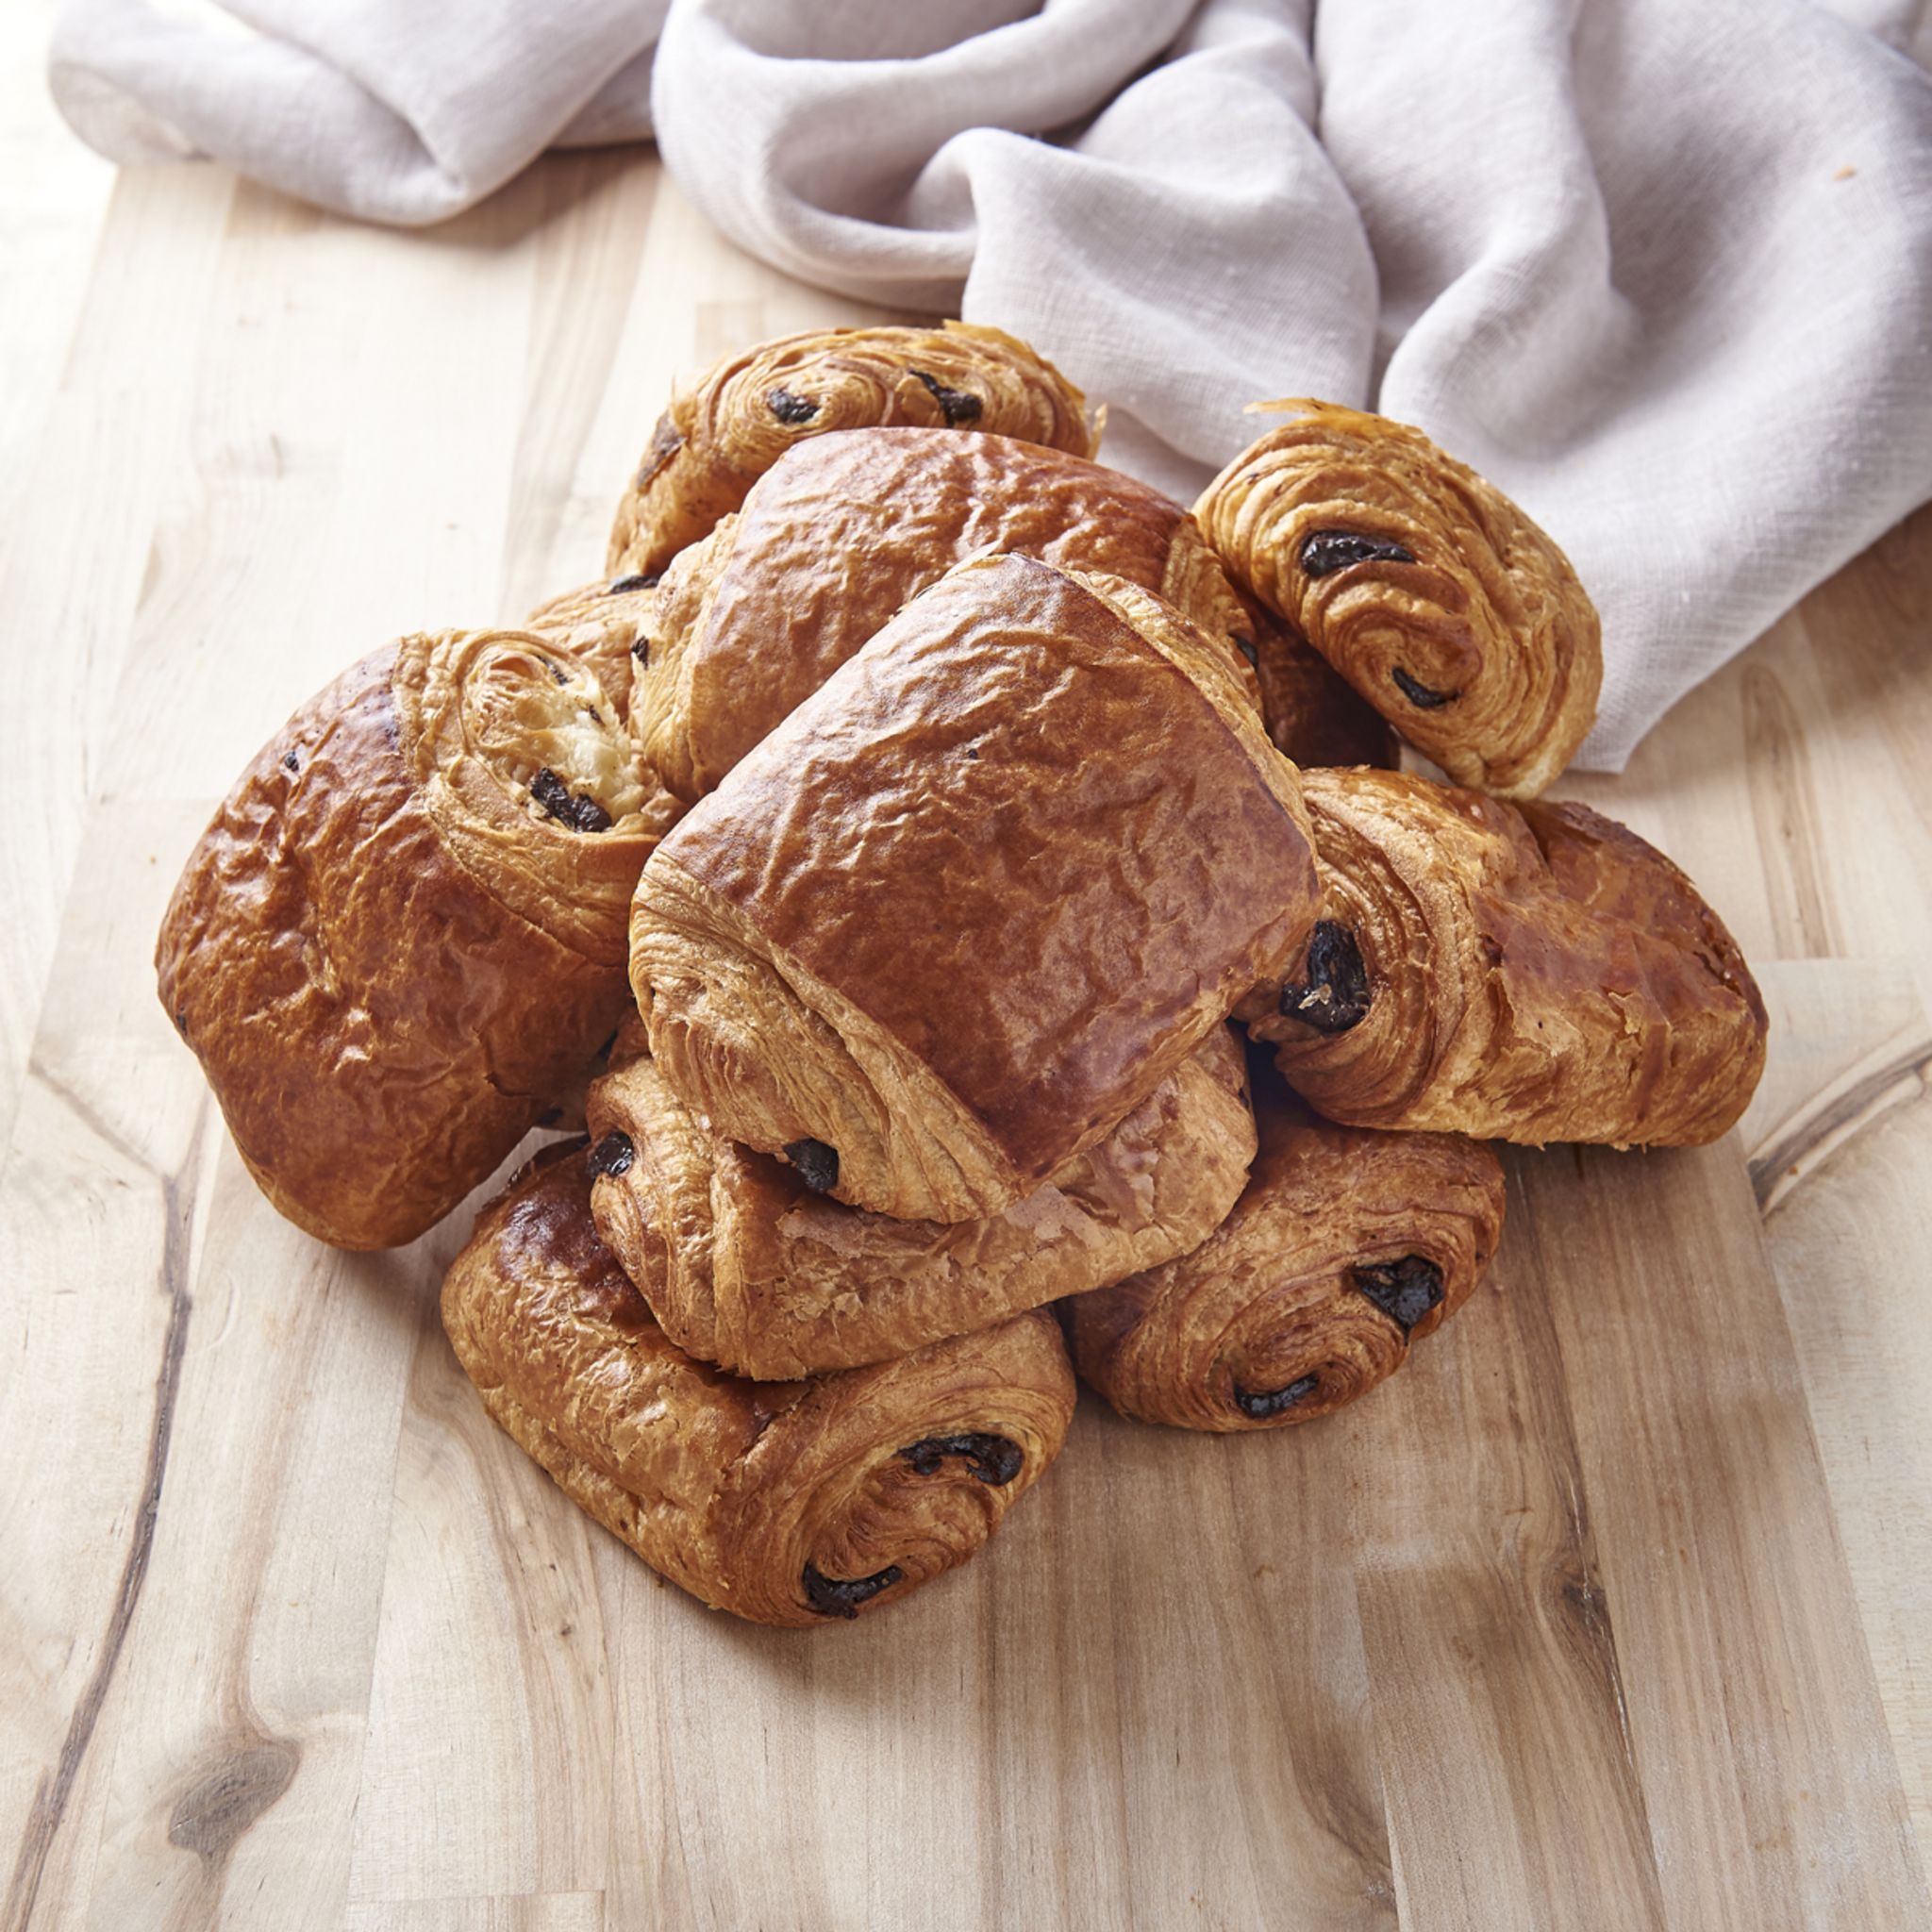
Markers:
point(1345, 1246)
point(722, 433)
point(843, 529)
point(1518, 973)
point(404, 933)
point(746, 1266)
point(975, 900)
point(1443, 604)
point(781, 1502)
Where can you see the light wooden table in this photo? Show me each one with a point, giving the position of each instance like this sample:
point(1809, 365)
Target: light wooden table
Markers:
point(1612, 1611)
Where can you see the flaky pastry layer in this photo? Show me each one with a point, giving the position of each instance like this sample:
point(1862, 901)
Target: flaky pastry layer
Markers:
point(746, 1266)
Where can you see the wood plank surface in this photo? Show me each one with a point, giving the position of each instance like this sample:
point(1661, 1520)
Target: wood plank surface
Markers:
point(1609, 1613)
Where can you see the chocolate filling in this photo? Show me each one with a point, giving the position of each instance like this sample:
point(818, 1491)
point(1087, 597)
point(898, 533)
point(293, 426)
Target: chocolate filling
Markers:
point(1327, 551)
point(637, 580)
point(955, 405)
point(817, 1164)
point(290, 762)
point(1405, 1291)
point(1246, 647)
point(1260, 1403)
point(995, 1459)
point(1420, 695)
point(1338, 994)
point(612, 1155)
point(833, 1596)
point(581, 813)
point(642, 650)
point(788, 408)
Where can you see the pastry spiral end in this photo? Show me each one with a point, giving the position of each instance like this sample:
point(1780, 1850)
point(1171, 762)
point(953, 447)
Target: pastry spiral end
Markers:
point(1345, 1247)
point(1452, 613)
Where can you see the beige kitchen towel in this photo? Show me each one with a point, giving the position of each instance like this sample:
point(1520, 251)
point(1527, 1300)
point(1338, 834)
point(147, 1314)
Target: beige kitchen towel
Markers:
point(1663, 271)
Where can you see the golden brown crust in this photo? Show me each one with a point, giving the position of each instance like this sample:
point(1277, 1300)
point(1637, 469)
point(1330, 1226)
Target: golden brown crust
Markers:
point(1445, 605)
point(745, 1266)
point(976, 898)
point(840, 532)
point(386, 964)
point(1532, 974)
point(1345, 1246)
point(720, 436)
point(784, 1503)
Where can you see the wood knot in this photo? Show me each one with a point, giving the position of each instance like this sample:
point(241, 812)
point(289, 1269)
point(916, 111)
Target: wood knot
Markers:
point(213, 1812)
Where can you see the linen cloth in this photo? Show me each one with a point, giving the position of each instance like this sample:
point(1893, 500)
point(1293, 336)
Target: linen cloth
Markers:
point(1660, 269)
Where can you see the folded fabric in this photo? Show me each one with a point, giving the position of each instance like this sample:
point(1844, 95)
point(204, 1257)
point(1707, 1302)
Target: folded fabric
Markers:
point(1660, 272)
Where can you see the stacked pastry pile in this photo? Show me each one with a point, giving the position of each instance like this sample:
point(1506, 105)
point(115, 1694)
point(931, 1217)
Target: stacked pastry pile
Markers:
point(888, 845)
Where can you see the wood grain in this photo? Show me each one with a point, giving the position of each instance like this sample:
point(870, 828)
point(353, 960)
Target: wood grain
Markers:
point(1841, 1144)
point(1607, 1611)
point(1488, 1630)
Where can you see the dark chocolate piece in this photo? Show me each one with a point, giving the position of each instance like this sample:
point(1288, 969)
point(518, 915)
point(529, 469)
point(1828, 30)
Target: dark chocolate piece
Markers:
point(290, 762)
point(1338, 994)
point(1260, 1403)
point(1246, 647)
point(817, 1164)
point(557, 670)
point(955, 405)
point(637, 580)
point(642, 650)
point(832, 1596)
point(613, 1156)
point(1326, 551)
point(995, 1459)
point(788, 408)
point(581, 813)
point(1405, 1291)
point(1419, 694)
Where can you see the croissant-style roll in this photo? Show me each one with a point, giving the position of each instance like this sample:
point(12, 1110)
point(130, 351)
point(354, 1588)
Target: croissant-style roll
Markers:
point(781, 1502)
point(842, 530)
point(745, 1266)
point(1425, 586)
point(720, 436)
point(1345, 1246)
point(405, 930)
point(952, 922)
point(1516, 972)
point(1312, 713)
point(606, 625)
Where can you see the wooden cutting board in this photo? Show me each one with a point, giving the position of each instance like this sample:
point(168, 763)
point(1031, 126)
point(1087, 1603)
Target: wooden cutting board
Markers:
point(1607, 1612)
